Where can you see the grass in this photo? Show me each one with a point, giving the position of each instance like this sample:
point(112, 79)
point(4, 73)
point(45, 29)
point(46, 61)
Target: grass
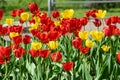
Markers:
point(79, 10)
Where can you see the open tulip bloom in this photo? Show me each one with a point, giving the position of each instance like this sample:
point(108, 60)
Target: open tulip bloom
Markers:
point(59, 47)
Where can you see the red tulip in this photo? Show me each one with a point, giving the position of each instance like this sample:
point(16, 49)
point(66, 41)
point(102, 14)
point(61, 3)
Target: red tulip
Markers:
point(84, 50)
point(33, 7)
point(84, 21)
point(26, 39)
point(20, 11)
point(17, 39)
point(117, 31)
point(14, 13)
point(68, 66)
point(43, 37)
point(118, 57)
point(14, 46)
point(91, 13)
point(114, 19)
point(19, 52)
point(43, 15)
point(4, 30)
point(34, 31)
point(21, 21)
point(44, 53)
point(16, 28)
point(32, 21)
point(4, 54)
point(97, 22)
point(54, 35)
point(34, 53)
point(45, 27)
point(1, 14)
point(108, 21)
point(109, 31)
point(119, 20)
point(55, 14)
point(88, 13)
point(56, 56)
point(77, 42)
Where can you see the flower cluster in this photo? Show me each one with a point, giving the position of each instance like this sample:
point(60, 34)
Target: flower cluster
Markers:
point(59, 45)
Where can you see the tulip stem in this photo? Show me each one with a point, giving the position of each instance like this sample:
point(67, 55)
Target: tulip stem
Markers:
point(69, 75)
point(84, 28)
point(5, 71)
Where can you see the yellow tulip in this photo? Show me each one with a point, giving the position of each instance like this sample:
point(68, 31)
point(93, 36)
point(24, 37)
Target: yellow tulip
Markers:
point(9, 21)
point(57, 23)
point(33, 26)
point(68, 13)
point(36, 45)
point(105, 48)
point(89, 43)
point(97, 35)
point(13, 34)
point(83, 35)
point(101, 14)
point(53, 44)
point(36, 18)
point(24, 16)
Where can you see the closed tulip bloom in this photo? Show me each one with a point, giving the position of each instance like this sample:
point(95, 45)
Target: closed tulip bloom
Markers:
point(84, 50)
point(105, 48)
point(77, 42)
point(68, 13)
point(36, 45)
point(33, 7)
point(19, 52)
point(89, 43)
point(24, 16)
point(4, 54)
point(68, 66)
point(26, 39)
point(34, 53)
point(118, 57)
point(17, 39)
point(13, 34)
point(55, 14)
point(83, 35)
point(97, 35)
point(56, 56)
point(97, 22)
point(44, 53)
point(101, 14)
point(53, 44)
point(9, 21)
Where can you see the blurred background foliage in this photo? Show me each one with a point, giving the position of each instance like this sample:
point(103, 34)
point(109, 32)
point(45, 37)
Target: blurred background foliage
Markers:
point(80, 9)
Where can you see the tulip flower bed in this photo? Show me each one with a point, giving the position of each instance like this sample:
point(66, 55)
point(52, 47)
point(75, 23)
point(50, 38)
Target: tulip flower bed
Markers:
point(60, 47)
